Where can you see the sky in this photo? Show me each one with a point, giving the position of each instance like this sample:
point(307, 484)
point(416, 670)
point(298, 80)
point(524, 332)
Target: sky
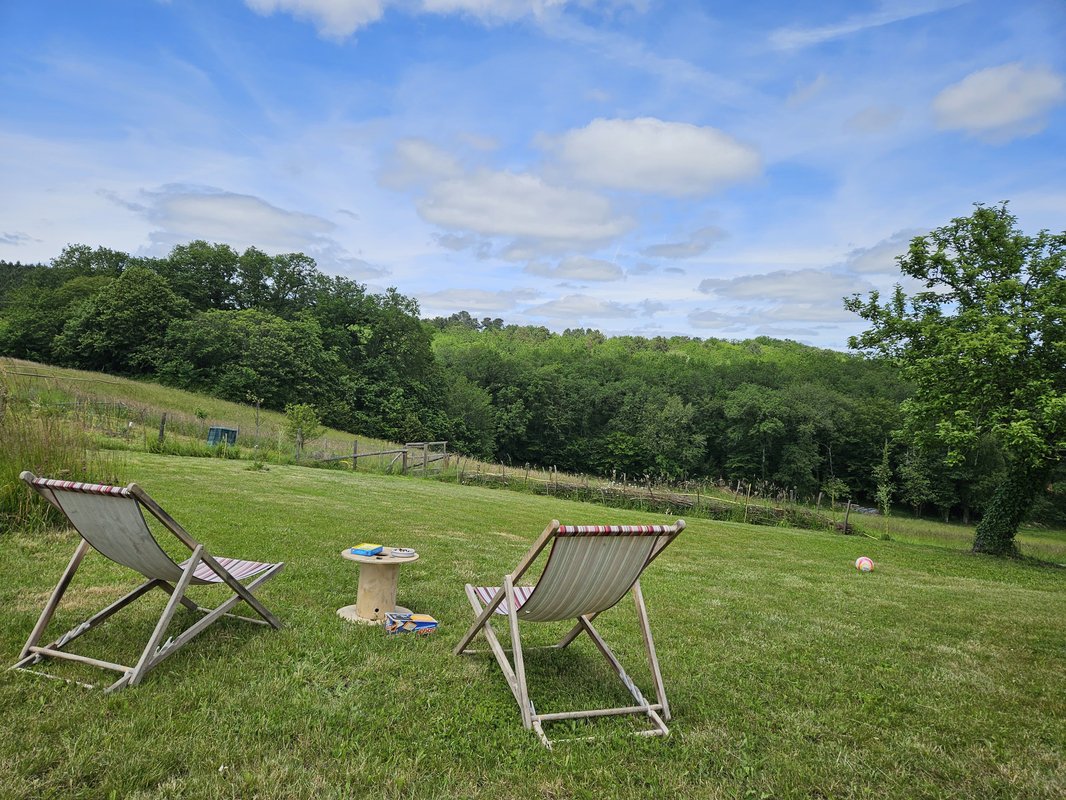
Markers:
point(646, 167)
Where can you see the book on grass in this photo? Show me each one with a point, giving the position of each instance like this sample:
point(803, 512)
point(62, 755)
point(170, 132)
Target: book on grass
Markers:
point(367, 549)
point(399, 622)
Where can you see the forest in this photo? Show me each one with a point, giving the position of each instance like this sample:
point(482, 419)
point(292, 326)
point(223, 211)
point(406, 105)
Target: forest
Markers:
point(251, 327)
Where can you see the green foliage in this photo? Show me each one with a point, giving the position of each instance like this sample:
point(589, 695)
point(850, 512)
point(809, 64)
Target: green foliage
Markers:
point(836, 488)
point(984, 346)
point(302, 425)
point(121, 330)
point(883, 481)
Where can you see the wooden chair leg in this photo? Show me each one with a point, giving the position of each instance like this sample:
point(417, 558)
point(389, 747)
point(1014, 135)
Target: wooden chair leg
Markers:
point(649, 646)
point(516, 651)
point(53, 601)
point(147, 657)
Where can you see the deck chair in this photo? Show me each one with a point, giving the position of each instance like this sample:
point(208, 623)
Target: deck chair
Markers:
point(589, 569)
point(110, 520)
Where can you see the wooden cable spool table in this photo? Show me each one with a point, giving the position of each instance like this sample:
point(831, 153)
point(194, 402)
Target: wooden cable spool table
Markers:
point(378, 578)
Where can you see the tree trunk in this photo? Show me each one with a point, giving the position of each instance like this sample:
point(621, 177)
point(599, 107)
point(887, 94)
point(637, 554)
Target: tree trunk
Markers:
point(1012, 499)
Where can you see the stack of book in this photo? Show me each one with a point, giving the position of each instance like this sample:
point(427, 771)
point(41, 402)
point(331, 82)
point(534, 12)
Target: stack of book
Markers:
point(399, 622)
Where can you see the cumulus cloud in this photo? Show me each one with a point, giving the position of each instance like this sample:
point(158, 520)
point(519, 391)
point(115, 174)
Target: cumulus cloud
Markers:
point(524, 207)
point(582, 306)
point(196, 212)
point(1000, 103)
point(476, 300)
point(697, 243)
point(650, 155)
point(416, 162)
point(881, 257)
point(181, 213)
point(578, 268)
point(811, 286)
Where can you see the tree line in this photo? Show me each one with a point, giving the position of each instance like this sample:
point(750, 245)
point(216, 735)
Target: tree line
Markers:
point(248, 327)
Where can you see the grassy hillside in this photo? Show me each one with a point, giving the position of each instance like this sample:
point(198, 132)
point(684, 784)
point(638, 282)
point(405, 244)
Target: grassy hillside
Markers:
point(790, 674)
point(109, 404)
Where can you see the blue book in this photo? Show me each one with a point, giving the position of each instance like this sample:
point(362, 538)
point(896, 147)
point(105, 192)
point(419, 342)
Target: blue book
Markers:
point(366, 549)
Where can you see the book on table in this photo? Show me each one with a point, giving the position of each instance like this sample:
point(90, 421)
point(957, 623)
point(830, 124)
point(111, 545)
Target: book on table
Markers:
point(366, 549)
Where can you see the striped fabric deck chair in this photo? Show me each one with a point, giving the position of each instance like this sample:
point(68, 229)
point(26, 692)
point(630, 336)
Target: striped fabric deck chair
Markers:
point(589, 569)
point(110, 520)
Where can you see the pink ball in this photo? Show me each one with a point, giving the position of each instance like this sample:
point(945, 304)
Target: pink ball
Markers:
point(864, 564)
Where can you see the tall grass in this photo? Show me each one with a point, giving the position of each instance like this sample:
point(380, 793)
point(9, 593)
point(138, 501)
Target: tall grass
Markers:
point(45, 445)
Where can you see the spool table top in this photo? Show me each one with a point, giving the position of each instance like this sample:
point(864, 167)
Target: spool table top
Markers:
point(384, 557)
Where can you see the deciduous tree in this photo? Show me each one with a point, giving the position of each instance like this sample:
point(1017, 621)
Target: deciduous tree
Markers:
point(984, 344)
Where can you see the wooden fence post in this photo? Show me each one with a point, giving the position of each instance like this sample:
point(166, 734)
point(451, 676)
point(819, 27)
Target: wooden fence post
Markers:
point(162, 427)
point(355, 453)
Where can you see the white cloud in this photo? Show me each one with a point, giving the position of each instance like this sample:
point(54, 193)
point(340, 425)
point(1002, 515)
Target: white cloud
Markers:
point(813, 286)
point(709, 319)
point(578, 307)
point(416, 162)
point(524, 207)
point(339, 19)
point(1000, 103)
point(492, 10)
point(476, 300)
point(579, 268)
point(334, 19)
point(650, 155)
point(795, 37)
point(697, 243)
point(881, 257)
point(183, 213)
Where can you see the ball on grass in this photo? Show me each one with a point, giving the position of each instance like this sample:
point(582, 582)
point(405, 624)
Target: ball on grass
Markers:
point(864, 564)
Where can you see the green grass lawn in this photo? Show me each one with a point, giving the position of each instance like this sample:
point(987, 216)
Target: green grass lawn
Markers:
point(790, 674)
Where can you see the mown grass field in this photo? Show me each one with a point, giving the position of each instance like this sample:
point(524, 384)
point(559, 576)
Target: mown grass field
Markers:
point(940, 674)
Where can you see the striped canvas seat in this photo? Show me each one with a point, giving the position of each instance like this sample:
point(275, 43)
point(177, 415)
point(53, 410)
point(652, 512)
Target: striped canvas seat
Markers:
point(486, 593)
point(241, 570)
point(110, 520)
point(589, 569)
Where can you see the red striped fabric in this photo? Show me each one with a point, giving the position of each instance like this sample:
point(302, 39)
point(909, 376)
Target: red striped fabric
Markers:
point(486, 593)
point(614, 530)
point(234, 566)
point(84, 488)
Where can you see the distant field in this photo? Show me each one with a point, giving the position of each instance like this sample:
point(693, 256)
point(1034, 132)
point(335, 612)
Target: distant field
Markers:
point(791, 675)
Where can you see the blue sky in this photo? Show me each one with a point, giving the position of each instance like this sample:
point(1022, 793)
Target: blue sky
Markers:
point(713, 169)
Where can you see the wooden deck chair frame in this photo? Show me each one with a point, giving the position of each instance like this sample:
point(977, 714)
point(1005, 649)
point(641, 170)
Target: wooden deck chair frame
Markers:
point(488, 601)
point(201, 568)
